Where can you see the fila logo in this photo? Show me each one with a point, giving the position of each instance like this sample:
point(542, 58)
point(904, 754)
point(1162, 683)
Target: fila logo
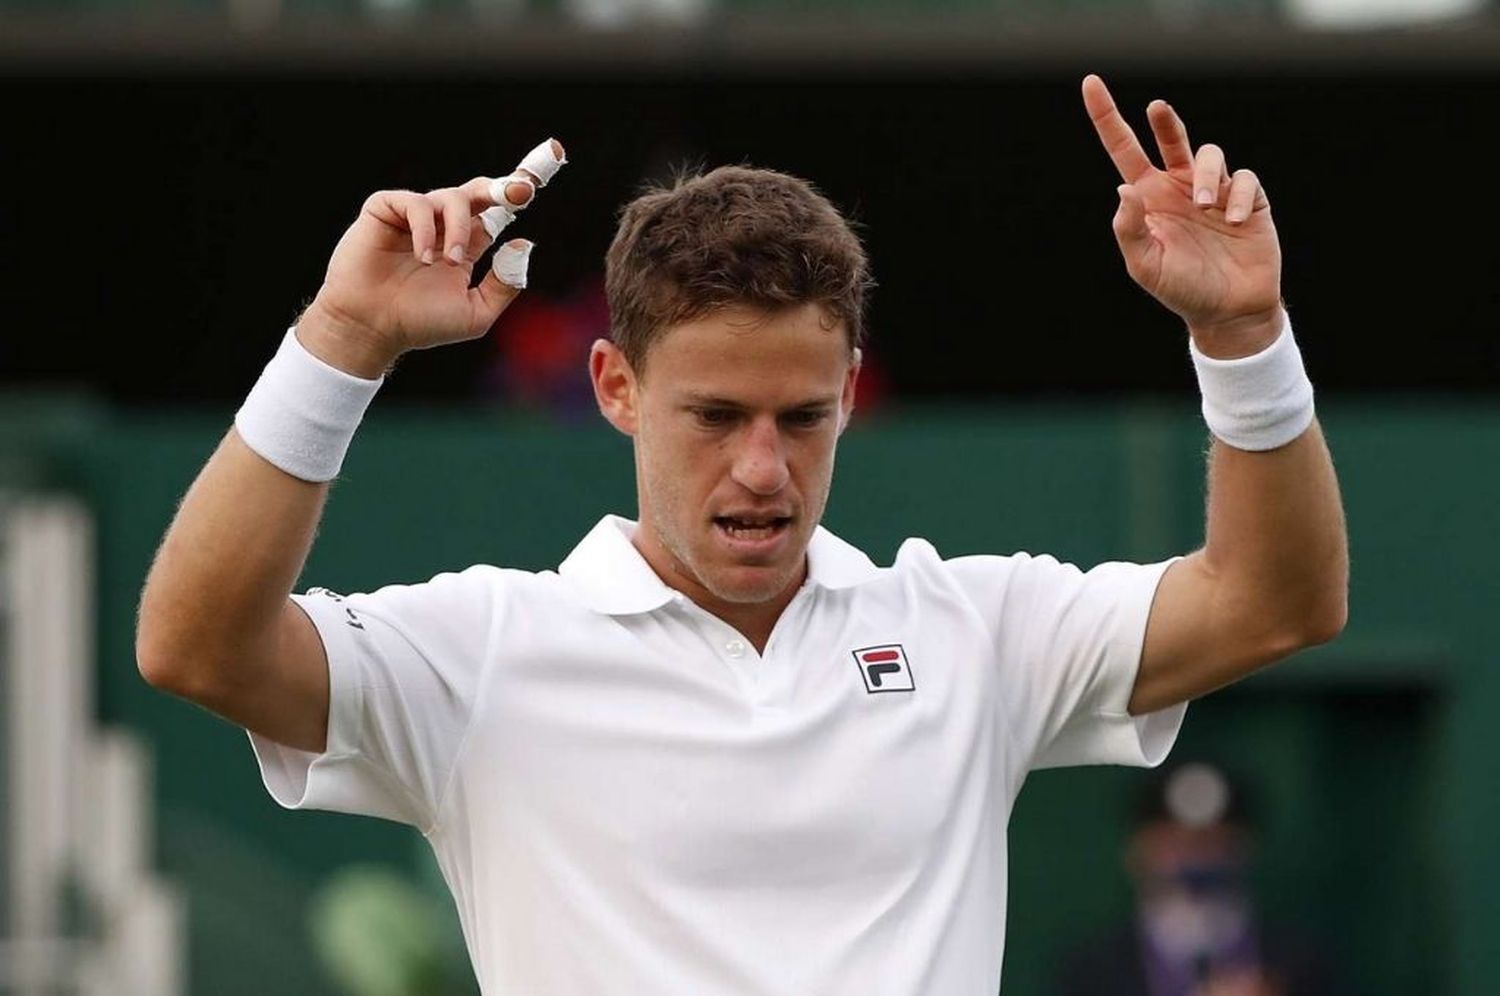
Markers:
point(352, 620)
point(884, 668)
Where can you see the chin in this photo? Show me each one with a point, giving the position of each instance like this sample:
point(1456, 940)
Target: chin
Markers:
point(747, 585)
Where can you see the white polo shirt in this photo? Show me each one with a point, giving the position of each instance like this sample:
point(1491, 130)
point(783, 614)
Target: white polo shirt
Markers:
point(626, 798)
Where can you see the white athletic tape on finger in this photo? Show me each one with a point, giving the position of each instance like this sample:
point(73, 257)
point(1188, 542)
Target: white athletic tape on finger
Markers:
point(494, 219)
point(510, 264)
point(534, 171)
point(500, 193)
point(543, 163)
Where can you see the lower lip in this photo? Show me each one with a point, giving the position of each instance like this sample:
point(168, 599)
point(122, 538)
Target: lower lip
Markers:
point(754, 546)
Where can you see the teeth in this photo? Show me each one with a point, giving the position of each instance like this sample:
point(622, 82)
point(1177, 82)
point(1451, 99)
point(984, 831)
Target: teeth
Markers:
point(749, 528)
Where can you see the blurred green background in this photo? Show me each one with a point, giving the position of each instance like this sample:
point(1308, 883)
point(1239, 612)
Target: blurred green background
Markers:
point(1376, 759)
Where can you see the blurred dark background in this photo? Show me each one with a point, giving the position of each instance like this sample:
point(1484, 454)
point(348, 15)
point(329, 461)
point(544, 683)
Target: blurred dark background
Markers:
point(166, 217)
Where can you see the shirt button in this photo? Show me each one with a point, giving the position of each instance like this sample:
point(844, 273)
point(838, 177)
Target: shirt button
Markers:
point(735, 649)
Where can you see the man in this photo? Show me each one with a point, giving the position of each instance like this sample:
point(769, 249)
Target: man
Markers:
point(720, 751)
point(1196, 929)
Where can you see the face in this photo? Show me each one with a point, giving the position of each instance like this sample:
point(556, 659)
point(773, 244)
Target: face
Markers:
point(735, 421)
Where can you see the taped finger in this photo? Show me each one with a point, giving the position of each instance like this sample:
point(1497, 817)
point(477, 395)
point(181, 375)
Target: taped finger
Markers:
point(511, 194)
point(543, 162)
point(511, 262)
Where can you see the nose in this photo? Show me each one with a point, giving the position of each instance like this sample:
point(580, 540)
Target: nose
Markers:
point(760, 462)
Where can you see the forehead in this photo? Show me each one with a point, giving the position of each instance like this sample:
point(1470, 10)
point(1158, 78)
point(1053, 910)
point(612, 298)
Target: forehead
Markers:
point(739, 352)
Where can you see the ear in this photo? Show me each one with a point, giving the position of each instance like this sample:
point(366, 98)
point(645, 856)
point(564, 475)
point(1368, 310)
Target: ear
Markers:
point(846, 399)
point(615, 386)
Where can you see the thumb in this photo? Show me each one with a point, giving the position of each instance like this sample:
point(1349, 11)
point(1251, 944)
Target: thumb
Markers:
point(503, 284)
point(1130, 227)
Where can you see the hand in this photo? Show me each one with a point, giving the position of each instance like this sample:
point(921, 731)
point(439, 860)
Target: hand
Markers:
point(399, 278)
point(1194, 237)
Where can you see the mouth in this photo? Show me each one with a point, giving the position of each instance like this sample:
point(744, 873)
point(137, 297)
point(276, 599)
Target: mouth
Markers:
point(752, 533)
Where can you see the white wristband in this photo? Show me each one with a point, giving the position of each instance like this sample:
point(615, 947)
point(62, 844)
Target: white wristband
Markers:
point(1256, 402)
point(302, 413)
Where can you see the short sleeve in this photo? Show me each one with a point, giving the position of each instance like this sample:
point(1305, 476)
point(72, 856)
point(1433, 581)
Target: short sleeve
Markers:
point(404, 666)
point(1068, 645)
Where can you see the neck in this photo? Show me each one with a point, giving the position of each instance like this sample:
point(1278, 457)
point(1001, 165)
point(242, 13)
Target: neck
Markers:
point(752, 620)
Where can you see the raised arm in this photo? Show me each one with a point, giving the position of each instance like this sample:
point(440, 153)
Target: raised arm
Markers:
point(217, 625)
point(1272, 576)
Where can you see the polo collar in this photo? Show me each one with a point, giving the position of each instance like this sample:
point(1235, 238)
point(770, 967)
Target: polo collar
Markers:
point(611, 576)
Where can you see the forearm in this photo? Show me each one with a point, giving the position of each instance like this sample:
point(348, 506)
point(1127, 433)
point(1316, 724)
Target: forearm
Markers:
point(1276, 545)
point(1276, 538)
point(221, 577)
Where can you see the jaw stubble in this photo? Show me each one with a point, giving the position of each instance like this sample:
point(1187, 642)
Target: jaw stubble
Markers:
point(662, 501)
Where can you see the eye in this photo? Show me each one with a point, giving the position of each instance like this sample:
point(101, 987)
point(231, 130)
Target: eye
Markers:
point(714, 417)
point(805, 418)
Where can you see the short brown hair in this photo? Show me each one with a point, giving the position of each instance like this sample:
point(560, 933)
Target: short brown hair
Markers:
point(735, 235)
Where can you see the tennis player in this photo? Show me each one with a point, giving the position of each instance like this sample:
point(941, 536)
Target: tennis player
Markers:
point(720, 751)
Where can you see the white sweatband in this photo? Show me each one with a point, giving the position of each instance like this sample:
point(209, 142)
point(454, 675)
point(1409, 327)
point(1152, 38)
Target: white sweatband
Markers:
point(302, 413)
point(1257, 402)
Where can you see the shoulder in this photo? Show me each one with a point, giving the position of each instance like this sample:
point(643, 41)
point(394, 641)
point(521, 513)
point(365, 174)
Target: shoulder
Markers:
point(461, 597)
point(981, 575)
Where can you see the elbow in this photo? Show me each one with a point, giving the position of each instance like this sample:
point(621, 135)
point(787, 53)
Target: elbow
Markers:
point(1316, 625)
point(167, 665)
point(1329, 614)
point(156, 656)
point(158, 662)
point(1327, 627)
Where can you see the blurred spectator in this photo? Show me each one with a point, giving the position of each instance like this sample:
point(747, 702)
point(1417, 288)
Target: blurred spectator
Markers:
point(541, 350)
point(1196, 930)
point(541, 353)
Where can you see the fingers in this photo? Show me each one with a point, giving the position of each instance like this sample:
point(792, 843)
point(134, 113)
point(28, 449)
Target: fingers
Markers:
point(508, 195)
point(1210, 175)
point(1131, 230)
point(510, 263)
point(1119, 141)
point(1240, 196)
point(413, 212)
point(543, 162)
point(1245, 197)
point(1171, 136)
point(453, 207)
point(503, 284)
point(452, 210)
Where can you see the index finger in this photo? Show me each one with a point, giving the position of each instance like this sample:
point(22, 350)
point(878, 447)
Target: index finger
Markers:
point(516, 189)
point(509, 194)
point(1119, 141)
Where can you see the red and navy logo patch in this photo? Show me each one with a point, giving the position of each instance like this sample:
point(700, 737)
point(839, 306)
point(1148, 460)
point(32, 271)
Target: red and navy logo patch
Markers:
point(885, 668)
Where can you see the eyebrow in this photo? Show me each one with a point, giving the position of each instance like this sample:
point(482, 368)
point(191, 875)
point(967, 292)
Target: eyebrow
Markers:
point(695, 399)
